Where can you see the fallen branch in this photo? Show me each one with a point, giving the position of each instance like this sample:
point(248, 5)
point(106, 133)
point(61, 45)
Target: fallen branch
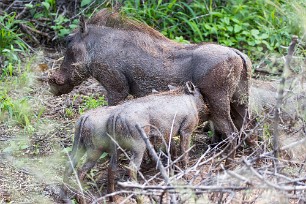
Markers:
point(173, 189)
point(25, 27)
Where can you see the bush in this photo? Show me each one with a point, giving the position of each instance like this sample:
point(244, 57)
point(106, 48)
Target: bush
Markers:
point(255, 27)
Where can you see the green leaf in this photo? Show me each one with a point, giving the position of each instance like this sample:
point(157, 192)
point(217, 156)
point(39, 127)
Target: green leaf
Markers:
point(251, 43)
point(159, 2)
point(235, 20)
point(29, 6)
point(217, 14)
point(254, 32)
point(46, 5)
point(237, 28)
point(226, 20)
point(264, 36)
point(85, 2)
point(103, 155)
point(207, 26)
point(38, 15)
point(64, 32)
point(10, 69)
point(24, 146)
point(181, 40)
point(171, 4)
point(73, 26)
point(246, 33)
point(230, 28)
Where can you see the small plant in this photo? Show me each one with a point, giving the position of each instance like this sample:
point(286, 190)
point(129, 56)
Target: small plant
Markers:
point(80, 104)
point(11, 45)
point(63, 26)
point(19, 110)
point(69, 113)
point(181, 40)
point(91, 102)
point(6, 105)
point(266, 132)
point(210, 134)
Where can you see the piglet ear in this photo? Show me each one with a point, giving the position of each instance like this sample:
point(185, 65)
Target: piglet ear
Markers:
point(83, 25)
point(190, 87)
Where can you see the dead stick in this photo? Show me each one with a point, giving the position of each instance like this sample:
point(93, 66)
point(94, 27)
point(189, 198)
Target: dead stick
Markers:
point(279, 101)
point(187, 187)
point(155, 157)
point(27, 31)
point(34, 30)
point(153, 153)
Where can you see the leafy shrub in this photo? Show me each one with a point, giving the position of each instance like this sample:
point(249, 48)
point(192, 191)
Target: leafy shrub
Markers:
point(59, 24)
point(252, 26)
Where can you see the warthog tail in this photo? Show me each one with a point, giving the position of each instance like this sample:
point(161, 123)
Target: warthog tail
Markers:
point(78, 148)
point(246, 60)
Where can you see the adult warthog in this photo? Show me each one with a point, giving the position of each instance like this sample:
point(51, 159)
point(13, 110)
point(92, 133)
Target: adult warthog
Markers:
point(128, 57)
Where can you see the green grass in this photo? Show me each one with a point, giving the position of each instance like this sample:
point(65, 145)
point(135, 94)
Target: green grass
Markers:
point(16, 102)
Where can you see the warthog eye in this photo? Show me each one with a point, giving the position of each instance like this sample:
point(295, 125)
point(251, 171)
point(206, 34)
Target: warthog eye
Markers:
point(51, 79)
point(68, 39)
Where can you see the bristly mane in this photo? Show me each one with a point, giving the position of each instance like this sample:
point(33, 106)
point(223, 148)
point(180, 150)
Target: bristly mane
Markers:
point(112, 19)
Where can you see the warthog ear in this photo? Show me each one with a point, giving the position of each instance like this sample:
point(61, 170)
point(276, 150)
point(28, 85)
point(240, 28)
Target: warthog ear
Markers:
point(190, 87)
point(83, 26)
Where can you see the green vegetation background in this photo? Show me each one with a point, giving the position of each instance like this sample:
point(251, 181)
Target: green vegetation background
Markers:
point(260, 28)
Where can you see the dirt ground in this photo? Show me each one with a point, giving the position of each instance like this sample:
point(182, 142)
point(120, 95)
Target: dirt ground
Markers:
point(32, 162)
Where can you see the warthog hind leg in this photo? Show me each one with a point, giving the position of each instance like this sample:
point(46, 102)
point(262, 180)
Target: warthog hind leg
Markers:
point(91, 160)
point(223, 123)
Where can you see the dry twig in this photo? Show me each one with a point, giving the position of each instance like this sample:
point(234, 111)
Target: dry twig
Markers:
point(279, 101)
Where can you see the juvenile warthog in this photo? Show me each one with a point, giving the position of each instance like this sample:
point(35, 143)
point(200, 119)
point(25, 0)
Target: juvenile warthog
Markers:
point(175, 112)
point(263, 98)
point(128, 57)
